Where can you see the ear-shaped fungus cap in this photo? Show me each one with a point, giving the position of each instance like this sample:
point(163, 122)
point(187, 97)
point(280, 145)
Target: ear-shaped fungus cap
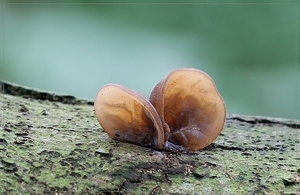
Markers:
point(190, 107)
point(127, 116)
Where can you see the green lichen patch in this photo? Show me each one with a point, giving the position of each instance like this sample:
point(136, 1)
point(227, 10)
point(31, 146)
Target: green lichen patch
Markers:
point(49, 147)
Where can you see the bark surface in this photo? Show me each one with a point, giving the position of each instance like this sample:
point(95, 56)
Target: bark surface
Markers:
point(53, 144)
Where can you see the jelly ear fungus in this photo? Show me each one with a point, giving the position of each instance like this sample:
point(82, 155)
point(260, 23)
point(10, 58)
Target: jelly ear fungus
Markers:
point(190, 107)
point(186, 112)
point(126, 115)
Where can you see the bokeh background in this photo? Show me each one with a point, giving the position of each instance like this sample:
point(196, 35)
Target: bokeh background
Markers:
point(75, 47)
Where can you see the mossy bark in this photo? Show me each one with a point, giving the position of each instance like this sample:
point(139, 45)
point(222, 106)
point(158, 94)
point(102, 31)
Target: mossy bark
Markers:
point(53, 144)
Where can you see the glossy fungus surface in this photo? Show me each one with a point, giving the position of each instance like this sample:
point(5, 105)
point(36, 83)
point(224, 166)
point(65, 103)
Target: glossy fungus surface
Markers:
point(188, 101)
point(185, 110)
point(127, 116)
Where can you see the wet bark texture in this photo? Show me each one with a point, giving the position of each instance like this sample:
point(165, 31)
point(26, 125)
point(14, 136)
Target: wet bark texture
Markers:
point(53, 144)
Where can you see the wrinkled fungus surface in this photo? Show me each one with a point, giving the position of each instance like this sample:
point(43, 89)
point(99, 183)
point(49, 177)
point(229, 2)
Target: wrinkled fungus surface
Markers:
point(185, 111)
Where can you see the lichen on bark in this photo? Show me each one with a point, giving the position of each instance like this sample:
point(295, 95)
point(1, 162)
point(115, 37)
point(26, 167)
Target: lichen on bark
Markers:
point(55, 145)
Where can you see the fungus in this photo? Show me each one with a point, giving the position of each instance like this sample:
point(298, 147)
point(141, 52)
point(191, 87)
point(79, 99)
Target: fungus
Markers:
point(190, 106)
point(126, 115)
point(186, 112)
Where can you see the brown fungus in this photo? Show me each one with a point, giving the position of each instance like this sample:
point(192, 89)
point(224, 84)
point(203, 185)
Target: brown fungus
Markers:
point(126, 115)
point(186, 112)
point(188, 101)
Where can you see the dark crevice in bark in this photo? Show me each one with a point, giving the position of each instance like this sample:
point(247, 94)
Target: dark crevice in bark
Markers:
point(13, 89)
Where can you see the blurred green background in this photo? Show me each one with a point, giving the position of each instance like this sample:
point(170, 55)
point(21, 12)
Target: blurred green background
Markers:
point(75, 47)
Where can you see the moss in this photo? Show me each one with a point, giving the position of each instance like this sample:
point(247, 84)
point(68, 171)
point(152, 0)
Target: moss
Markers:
point(50, 147)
